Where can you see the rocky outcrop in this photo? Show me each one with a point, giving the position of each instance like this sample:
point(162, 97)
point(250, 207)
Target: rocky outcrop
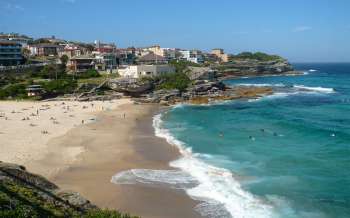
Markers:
point(130, 87)
point(255, 68)
point(204, 92)
point(36, 195)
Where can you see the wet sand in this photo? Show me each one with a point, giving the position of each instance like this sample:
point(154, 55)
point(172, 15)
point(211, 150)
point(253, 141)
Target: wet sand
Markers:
point(113, 144)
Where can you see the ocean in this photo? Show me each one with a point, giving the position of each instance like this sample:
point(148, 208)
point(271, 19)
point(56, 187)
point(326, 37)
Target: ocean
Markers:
point(283, 155)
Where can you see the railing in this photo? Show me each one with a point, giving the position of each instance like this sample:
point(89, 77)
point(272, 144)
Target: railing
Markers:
point(4, 68)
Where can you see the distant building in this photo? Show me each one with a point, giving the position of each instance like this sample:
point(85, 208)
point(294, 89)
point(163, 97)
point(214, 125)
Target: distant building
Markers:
point(219, 52)
point(137, 71)
point(106, 61)
point(168, 53)
point(45, 49)
point(22, 39)
point(81, 63)
point(10, 53)
point(194, 56)
point(104, 48)
point(126, 56)
point(152, 58)
point(72, 51)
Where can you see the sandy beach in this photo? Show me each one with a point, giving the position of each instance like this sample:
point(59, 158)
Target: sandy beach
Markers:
point(83, 158)
point(26, 127)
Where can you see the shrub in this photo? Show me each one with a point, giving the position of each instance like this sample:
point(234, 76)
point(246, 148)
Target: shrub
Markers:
point(106, 214)
point(60, 86)
point(91, 73)
point(181, 66)
point(178, 81)
point(256, 56)
point(14, 90)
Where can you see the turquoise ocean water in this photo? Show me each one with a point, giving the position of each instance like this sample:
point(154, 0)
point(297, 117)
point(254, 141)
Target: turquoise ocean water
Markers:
point(285, 155)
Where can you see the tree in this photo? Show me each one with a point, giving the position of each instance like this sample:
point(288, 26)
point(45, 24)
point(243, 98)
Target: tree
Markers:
point(64, 60)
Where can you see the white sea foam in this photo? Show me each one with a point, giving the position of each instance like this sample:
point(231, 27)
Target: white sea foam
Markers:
point(175, 178)
point(314, 89)
point(223, 196)
point(312, 70)
point(261, 85)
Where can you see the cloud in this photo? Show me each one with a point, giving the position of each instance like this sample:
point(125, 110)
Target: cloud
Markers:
point(302, 28)
point(12, 7)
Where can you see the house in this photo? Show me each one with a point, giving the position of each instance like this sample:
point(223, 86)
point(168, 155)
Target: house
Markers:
point(104, 48)
point(152, 58)
point(194, 56)
point(71, 50)
point(45, 49)
point(168, 53)
point(126, 56)
point(22, 39)
point(138, 71)
point(219, 52)
point(10, 53)
point(106, 61)
point(81, 63)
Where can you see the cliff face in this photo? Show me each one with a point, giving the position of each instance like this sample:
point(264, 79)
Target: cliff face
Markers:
point(255, 68)
point(23, 194)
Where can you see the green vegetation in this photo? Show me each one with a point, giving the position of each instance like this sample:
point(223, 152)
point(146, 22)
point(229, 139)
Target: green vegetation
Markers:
point(181, 66)
point(178, 80)
point(91, 73)
point(21, 201)
point(59, 86)
point(106, 214)
point(260, 56)
point(53, 79)
point(16, 91)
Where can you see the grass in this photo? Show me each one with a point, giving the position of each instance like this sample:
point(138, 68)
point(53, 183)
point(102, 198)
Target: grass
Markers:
point(98, 80)
point(20, 201)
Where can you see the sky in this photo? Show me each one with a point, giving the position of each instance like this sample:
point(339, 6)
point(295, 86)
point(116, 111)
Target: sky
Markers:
point(300, 30)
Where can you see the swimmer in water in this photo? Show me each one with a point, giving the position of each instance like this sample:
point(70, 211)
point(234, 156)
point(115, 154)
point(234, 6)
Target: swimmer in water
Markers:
point(251, 138)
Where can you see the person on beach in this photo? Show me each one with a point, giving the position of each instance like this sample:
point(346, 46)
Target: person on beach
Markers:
point(124, 115)
point(82, 121)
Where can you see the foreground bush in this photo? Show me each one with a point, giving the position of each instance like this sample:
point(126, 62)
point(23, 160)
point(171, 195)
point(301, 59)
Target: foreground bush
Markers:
point(106, 214)
point(178, 81)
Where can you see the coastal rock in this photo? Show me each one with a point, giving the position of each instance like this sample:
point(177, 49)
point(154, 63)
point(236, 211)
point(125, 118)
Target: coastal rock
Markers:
point(75, 199)
point(203, 86)
point(18, 187)
point(255, 68)
point(16, 172)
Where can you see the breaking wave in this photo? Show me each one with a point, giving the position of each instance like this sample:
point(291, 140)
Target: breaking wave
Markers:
point(221, 195)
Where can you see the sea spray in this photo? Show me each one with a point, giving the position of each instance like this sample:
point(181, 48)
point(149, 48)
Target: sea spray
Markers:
point(217, 187)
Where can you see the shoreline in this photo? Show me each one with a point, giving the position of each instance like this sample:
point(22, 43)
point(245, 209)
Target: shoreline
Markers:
point(114, 144)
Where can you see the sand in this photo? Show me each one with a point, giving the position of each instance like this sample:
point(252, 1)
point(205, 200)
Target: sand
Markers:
point(110, 145)
point(27, 126)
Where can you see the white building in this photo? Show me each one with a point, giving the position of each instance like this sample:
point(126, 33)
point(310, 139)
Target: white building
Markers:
point(137, 71)
point(192, 56)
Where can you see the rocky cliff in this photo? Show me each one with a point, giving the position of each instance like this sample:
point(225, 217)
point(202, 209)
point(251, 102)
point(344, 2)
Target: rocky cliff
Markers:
point(251, 67)
point(23, 194)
